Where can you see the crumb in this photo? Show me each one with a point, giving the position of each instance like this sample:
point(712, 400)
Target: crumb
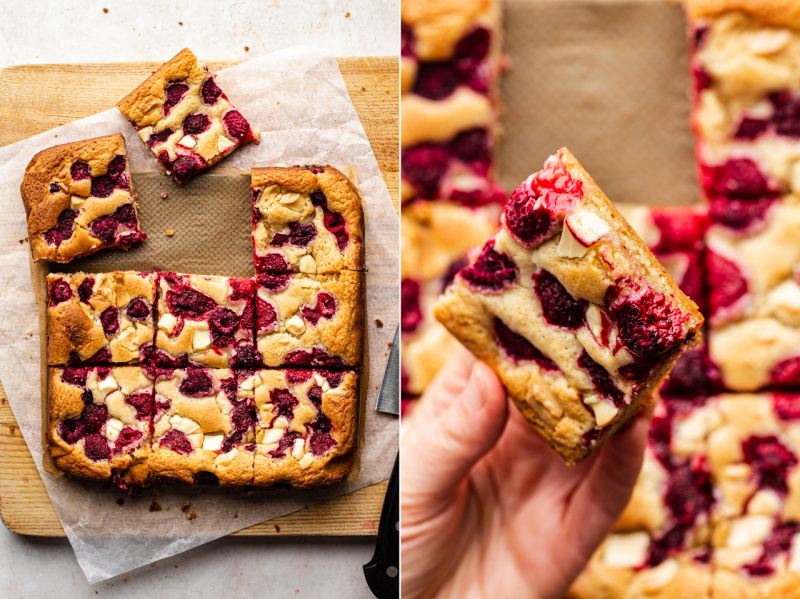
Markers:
point(278, 102)
point(191, 515)
point(179, 23)
point(176, 565)
point(155, 506)
point(363, 89)
point(186, 506)
point(277, 528)
point(105, 10)
point(12, 428)
point(127, 579)
point(170, 232)
point(236, 515)
point(166, 507)
point(347, 14)
point(21, 241)
point(120, 501)
point(379, 323)
point(163, 195)
point(389, 345)
point(247, 48)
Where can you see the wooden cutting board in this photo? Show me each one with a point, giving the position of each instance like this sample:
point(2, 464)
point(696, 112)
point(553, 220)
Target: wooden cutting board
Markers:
point(36, 98)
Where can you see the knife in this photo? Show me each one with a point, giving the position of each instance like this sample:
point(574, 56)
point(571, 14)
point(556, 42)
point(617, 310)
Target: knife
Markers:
point(383, 571)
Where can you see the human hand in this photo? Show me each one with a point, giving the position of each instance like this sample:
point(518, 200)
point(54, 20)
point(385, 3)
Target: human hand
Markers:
point(488, 509)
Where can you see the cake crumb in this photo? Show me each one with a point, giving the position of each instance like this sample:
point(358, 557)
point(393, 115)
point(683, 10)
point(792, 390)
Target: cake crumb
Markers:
point(120, 501)
point(164, 195)
point(155, 506)
point(191, 515)
point(127, 579)
point(21, 241)
point(12, 428)
point(277, 528)
point(247, 48)
point(347, 14)
point(236, 515)
point(105, 10)
point(363, 89)
point(180, 22)
point(379, 323)
point(170, 232)
point(186, 506)
point(389, 345)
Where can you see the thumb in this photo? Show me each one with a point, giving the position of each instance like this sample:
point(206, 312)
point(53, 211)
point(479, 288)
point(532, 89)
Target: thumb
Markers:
point(439, 452)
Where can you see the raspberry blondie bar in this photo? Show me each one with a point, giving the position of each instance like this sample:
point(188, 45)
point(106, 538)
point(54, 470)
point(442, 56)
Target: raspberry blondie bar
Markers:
point(101, 318)
point(306, 219)
point(79, 199)
point(184, 118)
point(306, 423)
point(99, 422)
point(571, 309)
point(309, 321)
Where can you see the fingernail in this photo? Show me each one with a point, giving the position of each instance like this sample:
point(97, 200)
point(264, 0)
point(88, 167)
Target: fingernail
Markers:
point(474, 393)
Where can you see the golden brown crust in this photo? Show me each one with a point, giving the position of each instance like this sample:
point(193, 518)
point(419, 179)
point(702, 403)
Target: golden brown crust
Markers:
point(341, 335)
point(43, 208)
point(343, 198)
point(781, 13)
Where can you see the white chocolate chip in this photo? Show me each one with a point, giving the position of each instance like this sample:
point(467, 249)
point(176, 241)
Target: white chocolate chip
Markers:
point(586, 226)
point(569, 247)
point(652, 580)
point(175, 420)
point(295, 325)
point(224, 144)
point(322, 382)
point(594, 318)
point(748, 531)
point(765, 502)
point(145, 132)
point(307, 264)
point(794, 554)
point(784, 301)
point(167, 323)
point(604, 412)
point(626, 550)
point(306, 460)
point(292, 201)
point(196, 439)
point(270, 447)
point(187, 141)
point(226, 458)
point(75, 202)
point(272, 435)
point(225, 405)
point(249, 383)
point(213, 442)
point(280, 422)
point(298, 449)
point(768, 41)
point(201, 339)
point(108, 384)
point(113, 428)
point(187, 426)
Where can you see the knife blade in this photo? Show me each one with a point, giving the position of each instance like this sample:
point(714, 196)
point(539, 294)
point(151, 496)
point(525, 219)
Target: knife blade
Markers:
point(389, 394)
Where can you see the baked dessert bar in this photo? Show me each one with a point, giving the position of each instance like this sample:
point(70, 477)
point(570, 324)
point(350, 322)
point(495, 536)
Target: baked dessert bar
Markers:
point(203, 426)
point(575, 314)
point(309, 321)
point(79, 198)
point(306, 423)
point(306, 219)
point(99, 318)
point(184, 118)
point(753, 453)
point(746, 65)
point(99, 422)
point(204, 320)
point(435, 237)
point(450, 61)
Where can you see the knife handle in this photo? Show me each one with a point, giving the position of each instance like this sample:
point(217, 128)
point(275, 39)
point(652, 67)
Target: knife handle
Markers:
point(383, 571)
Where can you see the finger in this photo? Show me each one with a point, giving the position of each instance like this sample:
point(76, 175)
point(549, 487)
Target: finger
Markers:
point(439, 452)
point(448, 384)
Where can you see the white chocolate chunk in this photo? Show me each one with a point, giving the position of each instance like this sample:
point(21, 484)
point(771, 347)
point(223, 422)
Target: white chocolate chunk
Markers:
point(298, 449)
point(145, 132)
point(213, 442)
point(272, 435)
point(167, 323)
point(784, 301)
point(794, 554)
point(765, 502)
point(75, 202)
point(108, 384)
point(586, 226)
point(306, 460)
point(594, 318)
point(226, 458)
point(173, 420)
point(322, 382)
point(653, 580)
point(224, 144)
point(249, 383)
point(113, 429)
point(187, 141)
point(307, 264)
point(187, 426)
point(569, 247)
point(280, 422)
point(292, 200)
point(748, 531)
point(604, 412)
point(225, 405)
point(626, 550)
point(768, 41)
point(196, 439)
point(201, 339)
point(295, 325)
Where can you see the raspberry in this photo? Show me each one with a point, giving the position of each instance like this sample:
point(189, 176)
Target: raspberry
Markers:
point(727, 286)
point(558, 306)
point(324, 308)
point(750, 128)
point(60, 291)
point(63, 229)
point(424, 166)
point(321, 439)
point(186, 166)
point(601, 380)
point(189, 303)
point(159, 138)
point(94, 417)
point(787, 405)
point(786, 373)
point(85, 289)
point(197, 383)
point(528, 224)
point(284, 403)
point(313, 357)
point(406, 40)
point(787, 113)
point(210, 92)
point(109, 318)
point(142, 402)
point(286, 442)
point(75, 375)
point(107, 227)
point(471, 50)
point(102, 186)
point(410, 310)
point(473, 146)
point(693, 378)
point(436, 80)
point(96, 448)
point(79, 171)
point(333, 221)
point(117, 166)
point(223, 324)
point(271, 263)
point(299, 235)
point(138, 309)
point(246, 356)
point(174, 93)
point(236, 125)
point(177, 442)
point(266, 316)
point(334, 378)
point(771, 461)
point(242, 289)
point(55, 188)
point(737, 178)
point(298, 377)
point(740, 214)
point(518, 348)
point(272, 282)
point(491, 272)
point(127, 436)
point(648, 325)
point(195, 124)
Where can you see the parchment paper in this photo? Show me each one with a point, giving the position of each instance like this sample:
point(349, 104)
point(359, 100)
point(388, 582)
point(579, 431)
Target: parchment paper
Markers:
point(608, 79)
point(299, 100)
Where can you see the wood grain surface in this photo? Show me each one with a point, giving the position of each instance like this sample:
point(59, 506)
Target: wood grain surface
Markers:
point(36, 98)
